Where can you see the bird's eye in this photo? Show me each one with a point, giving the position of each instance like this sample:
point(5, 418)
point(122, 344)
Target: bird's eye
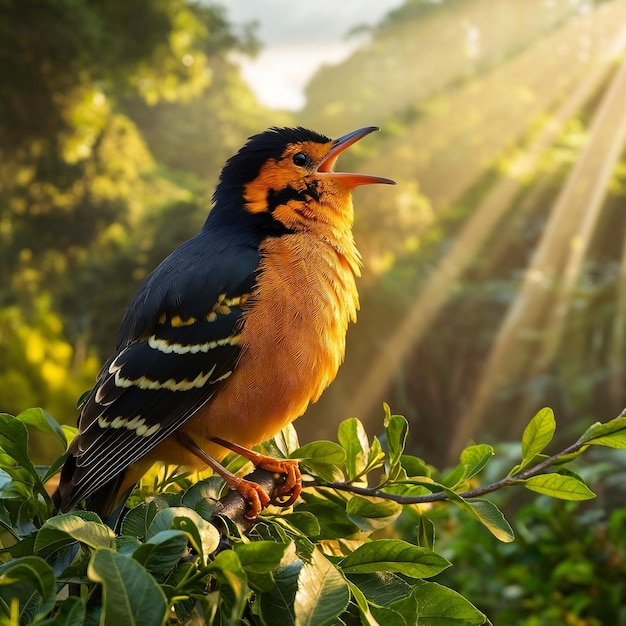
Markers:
point(301, 159)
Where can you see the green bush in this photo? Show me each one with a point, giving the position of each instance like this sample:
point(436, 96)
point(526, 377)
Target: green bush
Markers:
point(182, 554)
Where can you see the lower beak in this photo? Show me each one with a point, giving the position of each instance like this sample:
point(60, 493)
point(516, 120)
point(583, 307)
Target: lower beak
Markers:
point(346, 179)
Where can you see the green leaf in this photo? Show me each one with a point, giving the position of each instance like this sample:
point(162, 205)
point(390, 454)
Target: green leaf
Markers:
point(260, 557)
point(321, 459)
point(304, 521)
point(382, 588)
point(414, 466)
point(426, 533)
point(233, 586)
point(42, 420)
point(367, 619)
point(14, 442)
point(376, 456)
point(286, 441)
point(62, 530)
point(30, 582)
point(394, 555)
point(72, 612)
point(386, 616)
point(559, 486)
point(396, 429)
point(440, 606)
point(130, 595)
point(333, 515)
point(353, 440)
point(322, 452)
point(323, 593)
point(400, 613)
point(492, 518)
point(487, 513)
point(161, 552)
point(538, 434)
point(370, 515)
point(137, 521)
point(455, 477)
point(54, 467)
point(203, 536)
point(611, 434)
point(276, 606)
point(203, 495)
point(475, 458)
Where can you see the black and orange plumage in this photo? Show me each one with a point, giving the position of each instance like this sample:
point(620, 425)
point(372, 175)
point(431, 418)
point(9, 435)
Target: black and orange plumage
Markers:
point(232, 336)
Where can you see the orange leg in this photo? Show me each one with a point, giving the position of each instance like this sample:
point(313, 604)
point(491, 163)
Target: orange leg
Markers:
point(293, 479)
point(254, 494)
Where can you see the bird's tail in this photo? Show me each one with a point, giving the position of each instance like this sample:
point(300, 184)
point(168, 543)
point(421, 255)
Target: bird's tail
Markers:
point(106, 501)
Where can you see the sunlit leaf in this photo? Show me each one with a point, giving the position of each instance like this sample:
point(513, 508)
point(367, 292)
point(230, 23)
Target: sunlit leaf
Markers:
point(286, 441)
point(130, 595)
point(538, 434)
point(559, 486)
point(321, 459)
point(322, 594)
point(396, 430)
point(376, 456)
point(367, 619)
point(82, 526)
point(487, 513)
point(611, 434)
point(42, 420)
point(353, 440)
point(394, 555)
point(320, 452)
point(475, 458)
point(440, 606)
point(492, 518)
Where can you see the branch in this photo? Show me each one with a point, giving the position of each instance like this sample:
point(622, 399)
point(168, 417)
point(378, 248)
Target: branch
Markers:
point(233, 505)
point(440, 496)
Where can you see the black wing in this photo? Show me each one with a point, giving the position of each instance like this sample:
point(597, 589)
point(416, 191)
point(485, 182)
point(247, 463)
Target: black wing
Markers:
point(179, 339)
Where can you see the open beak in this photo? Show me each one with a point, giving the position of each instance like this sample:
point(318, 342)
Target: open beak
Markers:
point(337, 147)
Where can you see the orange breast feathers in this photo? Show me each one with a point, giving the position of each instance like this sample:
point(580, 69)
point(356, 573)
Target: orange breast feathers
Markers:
point(293, 340)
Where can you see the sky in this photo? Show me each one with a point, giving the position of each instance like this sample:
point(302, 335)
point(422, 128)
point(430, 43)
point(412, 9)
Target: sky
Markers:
point(297, 37)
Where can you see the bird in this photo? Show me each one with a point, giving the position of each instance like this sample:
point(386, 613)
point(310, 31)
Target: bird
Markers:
point(235, 333)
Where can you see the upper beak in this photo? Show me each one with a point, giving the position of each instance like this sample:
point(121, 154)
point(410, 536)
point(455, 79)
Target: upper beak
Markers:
point(337, 147)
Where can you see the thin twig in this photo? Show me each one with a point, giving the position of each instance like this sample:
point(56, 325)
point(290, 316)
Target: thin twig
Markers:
point(440, 496)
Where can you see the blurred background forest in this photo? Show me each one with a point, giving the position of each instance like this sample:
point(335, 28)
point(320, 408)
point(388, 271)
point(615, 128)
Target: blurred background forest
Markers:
point(495, 271)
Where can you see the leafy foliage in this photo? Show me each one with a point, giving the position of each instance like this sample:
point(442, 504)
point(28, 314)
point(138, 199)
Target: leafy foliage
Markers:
point(334, 556)
point(91, 194)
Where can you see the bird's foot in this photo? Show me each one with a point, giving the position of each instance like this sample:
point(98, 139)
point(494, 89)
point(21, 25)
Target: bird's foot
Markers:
point(292, 484)
point(255, 496)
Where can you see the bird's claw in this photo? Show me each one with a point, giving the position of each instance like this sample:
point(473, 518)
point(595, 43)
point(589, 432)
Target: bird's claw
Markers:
point(257, 498)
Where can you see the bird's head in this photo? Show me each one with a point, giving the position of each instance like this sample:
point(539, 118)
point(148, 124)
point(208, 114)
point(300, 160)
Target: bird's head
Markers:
point(284, 176)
